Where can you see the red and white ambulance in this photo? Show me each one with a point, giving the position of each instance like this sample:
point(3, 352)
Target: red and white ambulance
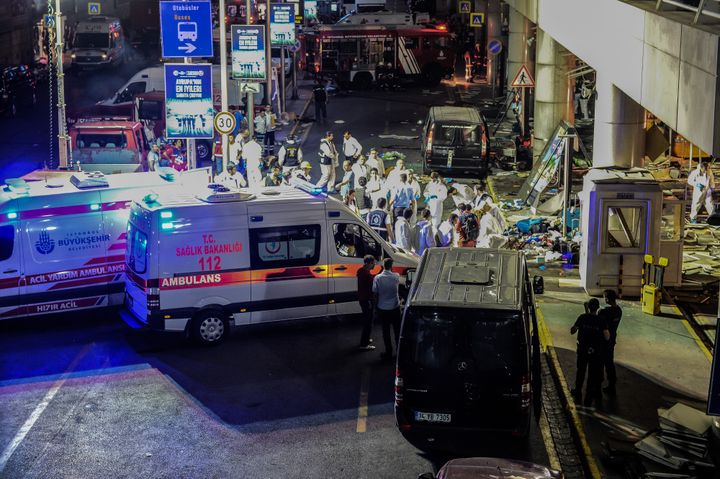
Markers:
point(200, 264)
point(62, 239)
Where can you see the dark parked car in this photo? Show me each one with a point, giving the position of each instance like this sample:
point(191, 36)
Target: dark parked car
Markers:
point(17, 89)
point(488, 467)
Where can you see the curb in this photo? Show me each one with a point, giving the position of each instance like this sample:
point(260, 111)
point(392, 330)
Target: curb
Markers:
point(588, 460)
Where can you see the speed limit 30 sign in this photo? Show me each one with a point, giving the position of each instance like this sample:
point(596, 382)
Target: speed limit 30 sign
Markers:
point(225, 122)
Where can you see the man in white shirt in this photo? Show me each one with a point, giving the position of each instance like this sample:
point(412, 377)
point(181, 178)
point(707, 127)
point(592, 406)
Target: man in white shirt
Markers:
point(417, 194)
point(448, 231)
point(461, 193)
point(234, 149)
point(359, 171)
point(153, 158)
point(435, 192)
point(260, 128)
point(393, 178)
point(328, 161)
point(425, 234)
point(252, 152)
point(375, 161)
point(352, 149)
point(490, 234)
point(385, 288)
point(231, 178)
point(403, 231)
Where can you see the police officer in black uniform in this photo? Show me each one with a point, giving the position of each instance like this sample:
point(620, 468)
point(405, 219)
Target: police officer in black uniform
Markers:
point(290, 155)
point(593, 336)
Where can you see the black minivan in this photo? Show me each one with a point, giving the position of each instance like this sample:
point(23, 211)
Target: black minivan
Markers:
point(455, 139)
point(468, 349)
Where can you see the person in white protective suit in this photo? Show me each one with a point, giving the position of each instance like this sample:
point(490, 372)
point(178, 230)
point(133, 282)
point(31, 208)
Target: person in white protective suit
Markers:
point(252, 152)
point(490, 235)
point(702, 181)
point(435, 193)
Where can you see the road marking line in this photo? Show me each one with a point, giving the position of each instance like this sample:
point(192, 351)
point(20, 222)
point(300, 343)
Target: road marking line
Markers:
point(363, 403)
point(574, 416)
point(39, 409)
point(549, 443)
point(698, 341)
point(491, 189)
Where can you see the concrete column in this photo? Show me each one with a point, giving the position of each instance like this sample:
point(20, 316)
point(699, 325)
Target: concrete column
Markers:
point(619, 135)
point(518, 49)
point(494, 32)
point(551, 84)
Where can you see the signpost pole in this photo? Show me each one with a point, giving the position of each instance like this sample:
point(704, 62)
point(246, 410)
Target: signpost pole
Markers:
point(294, 76)
point(268, 55)
point(250, 101)
point(282, 80)
point(63, 151)
point(223, 81)
point(190, 142)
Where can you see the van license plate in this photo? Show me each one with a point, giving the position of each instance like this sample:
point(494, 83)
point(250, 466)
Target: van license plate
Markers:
point(432, 416)
point(451, 153)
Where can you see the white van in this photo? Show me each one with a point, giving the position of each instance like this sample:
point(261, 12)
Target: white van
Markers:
point(62, 241)
point(153, 79)
point(201, 264)
point(98, 42)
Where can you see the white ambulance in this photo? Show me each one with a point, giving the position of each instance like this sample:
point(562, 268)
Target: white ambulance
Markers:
point(62, 239)
point(202, 264)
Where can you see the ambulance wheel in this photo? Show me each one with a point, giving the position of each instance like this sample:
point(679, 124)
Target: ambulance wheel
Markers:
point(210, 327)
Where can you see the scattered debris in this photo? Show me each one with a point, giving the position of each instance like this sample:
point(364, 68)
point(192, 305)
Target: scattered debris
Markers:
point(399, 137)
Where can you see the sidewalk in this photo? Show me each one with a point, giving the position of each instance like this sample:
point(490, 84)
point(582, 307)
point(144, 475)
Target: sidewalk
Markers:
point(659, 363)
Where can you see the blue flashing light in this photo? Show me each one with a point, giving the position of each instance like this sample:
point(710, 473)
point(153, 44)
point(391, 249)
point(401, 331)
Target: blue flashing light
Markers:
point(167, 226)
point(166, 214)
point(12, 216)
point(94, 207)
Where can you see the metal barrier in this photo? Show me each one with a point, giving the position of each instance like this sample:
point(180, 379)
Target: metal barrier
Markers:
point(699, 10)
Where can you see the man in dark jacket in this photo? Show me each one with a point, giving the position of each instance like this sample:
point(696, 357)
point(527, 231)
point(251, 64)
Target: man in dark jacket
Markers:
point(365, 297)
point(611, 314)
point(320, 97)
point(593, 336)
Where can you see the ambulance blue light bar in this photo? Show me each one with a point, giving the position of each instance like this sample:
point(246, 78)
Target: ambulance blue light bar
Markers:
point(307, 187)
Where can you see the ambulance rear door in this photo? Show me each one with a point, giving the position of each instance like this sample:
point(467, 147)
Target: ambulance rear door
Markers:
point(288, 257)
point(12, 303)
point(116, 211)
point(203, 262)
point(65, 261)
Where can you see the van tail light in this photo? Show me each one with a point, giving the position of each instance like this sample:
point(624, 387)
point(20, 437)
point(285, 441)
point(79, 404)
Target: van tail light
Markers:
point(153, 299)
point(399, 388)
point(525, 392)
point(428, 147)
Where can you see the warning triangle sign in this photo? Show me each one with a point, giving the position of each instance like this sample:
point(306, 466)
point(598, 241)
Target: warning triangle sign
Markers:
point(523, 79)
point(477, 19)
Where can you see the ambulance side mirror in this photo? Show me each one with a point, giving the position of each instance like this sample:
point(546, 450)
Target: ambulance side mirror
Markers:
point(538, 284)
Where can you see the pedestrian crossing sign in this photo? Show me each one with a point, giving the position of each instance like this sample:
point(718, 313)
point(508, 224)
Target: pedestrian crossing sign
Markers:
point(523, 79)
point(477, 19)
point(464, 6)
point(93, 8)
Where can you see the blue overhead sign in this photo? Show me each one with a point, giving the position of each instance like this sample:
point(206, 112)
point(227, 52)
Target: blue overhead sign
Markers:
point(282, 24)
point(186, 29)
point(189, 109)
point(248, 52)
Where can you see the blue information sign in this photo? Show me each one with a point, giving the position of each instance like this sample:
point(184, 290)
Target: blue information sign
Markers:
point(189, 109)
point(186, 29)
point(282, 24)
point(248, 52)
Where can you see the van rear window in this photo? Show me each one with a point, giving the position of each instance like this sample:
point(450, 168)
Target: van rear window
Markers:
point(490, 340)
point(137, 250)
point(458, 135)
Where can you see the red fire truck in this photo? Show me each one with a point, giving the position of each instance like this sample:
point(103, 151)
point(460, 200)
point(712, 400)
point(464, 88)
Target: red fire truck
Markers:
point(362, 45)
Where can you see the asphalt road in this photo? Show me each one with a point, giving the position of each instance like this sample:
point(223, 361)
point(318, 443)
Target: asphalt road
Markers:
point(86, 396)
